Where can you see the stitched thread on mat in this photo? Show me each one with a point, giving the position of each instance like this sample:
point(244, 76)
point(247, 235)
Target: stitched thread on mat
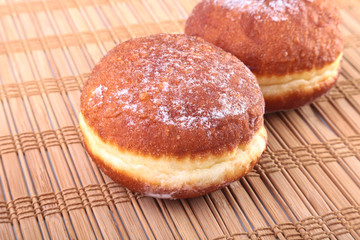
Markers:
point(310, 154)
point(20, 208)
point(258, 233)
point(30, 140)
point(4, 213)
point(313, 228)
point(353, 143)
point(350, 216)
point(334, 221)
point(93, 195)
point(7, 144)
point(343, 89)
point(268, 162)
point(118, 194)
point(288, 230)
point(76, 39)
point(48, 204)
point(38, 6)
point(46, 85)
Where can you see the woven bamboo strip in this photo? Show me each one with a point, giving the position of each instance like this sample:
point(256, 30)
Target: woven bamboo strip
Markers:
point(294, 117)
point(275, 176)
point(343, 129)
point(58, 142)
point(83, 227)
point(222, 224)
point(152, 212)
point(168, 219)
point(239, 213)
point(252, 214)
point(334, 214)
point(167, 22)
point(223, 207)
point(32, 156)
point(281, 224)
point(278, 221)
point(30, 213)
point(5, 193)
point(19, 192)
point(316, 172)
point(333, 154)
point(77, 154)
point(271, 229)
point(57, 162)
point(193, 219)
point(324, 166)
point(309, 188)
point(6, 231)
point(350, 22)
point(37, 6)
point(82, 223)
point(181, 219)
point(38, 172)
point(187, 5)
point(205, 218)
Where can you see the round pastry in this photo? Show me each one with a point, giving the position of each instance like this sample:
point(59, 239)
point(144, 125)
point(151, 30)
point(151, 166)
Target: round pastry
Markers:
point(293, 47)
point(172, 116)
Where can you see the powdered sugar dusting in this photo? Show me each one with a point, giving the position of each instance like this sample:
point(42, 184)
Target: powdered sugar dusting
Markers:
point(169, 80)
point(276, 10)
point(97, 95)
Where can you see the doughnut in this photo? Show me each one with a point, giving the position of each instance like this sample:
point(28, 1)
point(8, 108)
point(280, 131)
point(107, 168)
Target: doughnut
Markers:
point(172, 116)
point(294, 47)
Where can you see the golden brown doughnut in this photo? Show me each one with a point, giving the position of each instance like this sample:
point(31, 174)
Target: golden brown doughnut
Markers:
point(172, 116)
point(294, 47)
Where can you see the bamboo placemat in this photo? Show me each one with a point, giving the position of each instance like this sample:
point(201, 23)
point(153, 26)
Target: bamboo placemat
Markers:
point(306, 186)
